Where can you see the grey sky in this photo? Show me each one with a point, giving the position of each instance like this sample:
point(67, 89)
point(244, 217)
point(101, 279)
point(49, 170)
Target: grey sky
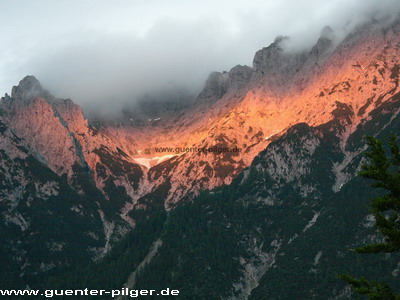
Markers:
point(113, 51)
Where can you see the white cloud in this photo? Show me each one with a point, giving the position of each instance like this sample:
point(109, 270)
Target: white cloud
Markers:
point(113, 51)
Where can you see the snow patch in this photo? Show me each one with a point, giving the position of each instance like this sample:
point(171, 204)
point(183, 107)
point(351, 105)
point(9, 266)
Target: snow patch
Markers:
point(143, 161)
point(151, 162)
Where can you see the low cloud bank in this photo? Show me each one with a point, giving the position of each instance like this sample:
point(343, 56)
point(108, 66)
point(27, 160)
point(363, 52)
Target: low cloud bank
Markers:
point(121, 51)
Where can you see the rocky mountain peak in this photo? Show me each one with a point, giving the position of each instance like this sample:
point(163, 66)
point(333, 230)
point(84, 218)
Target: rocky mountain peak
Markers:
point(239, 76)
point(324, 43)
point(219, 83)
point(28, 88)
point(216, 86)
point(275, 66)
point(268, 56)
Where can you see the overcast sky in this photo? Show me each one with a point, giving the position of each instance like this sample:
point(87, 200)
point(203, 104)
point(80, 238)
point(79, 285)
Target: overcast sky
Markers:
point(102, 52)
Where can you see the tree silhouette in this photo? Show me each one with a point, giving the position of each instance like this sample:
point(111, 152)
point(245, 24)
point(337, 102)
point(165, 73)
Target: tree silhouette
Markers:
point(385, 171)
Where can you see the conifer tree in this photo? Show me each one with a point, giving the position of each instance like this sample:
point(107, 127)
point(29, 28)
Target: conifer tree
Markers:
point(385, 171)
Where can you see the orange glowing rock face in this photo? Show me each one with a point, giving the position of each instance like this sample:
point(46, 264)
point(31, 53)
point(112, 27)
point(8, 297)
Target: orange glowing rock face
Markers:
point(57, 133)
point(245, 108)
point(351, 78)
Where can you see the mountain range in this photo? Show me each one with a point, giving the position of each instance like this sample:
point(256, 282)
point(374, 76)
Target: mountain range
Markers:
point(145, 200)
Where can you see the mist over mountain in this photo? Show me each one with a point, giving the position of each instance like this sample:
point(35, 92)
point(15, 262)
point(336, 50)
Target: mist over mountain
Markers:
point(153, 172)
point(118, 53)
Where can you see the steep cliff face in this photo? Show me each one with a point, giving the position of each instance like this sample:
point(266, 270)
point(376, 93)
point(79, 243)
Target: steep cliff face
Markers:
point(63, 183)
point(60, 136)
point(249, 107)
point(44, 224)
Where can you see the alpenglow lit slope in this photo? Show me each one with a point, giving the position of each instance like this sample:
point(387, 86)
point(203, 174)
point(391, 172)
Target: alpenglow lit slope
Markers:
point(247, 107)
point(284, 209)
